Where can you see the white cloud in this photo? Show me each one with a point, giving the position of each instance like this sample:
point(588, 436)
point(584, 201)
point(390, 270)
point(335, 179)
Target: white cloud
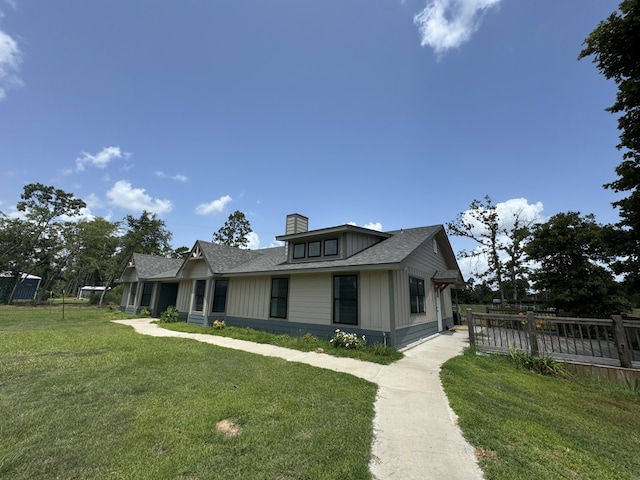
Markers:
point(446, 24)
point(100, 159)
point(216, 206)
point(93, 201)
point(371, 225)
point(254, 240)
point(10, 60)
point(177, 177)
point(122, 194)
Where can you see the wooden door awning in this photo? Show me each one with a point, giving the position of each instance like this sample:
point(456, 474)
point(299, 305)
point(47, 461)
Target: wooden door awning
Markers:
point(443, 278)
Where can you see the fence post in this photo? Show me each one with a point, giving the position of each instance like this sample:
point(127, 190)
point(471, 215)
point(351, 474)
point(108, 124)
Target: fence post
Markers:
point(621, 342)
point(472, 333)
point(533, 340)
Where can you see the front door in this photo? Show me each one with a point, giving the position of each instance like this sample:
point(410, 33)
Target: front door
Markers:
point(167, 297)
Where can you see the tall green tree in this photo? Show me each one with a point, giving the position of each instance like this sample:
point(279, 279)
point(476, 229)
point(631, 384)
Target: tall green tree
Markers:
point(571, 252)
point(48, 214)
point(234, 232)
point(147, 234)
point(94, 244)
point(613, 46)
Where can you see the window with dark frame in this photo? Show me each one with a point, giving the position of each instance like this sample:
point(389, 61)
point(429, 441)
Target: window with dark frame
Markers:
point(147, 289)
point(416, 294)
point(331, 247)
point(314, 249)
point(299, 250)
point(279, 297)
point(220, 296)
point(199, 295)
point(345, 299)
point(132, 293)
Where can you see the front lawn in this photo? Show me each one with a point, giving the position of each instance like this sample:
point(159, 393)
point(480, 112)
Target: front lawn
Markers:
point(373, 352)
point(85, 398)
point(527, 426)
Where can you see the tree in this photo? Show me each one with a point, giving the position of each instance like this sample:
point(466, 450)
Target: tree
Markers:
point(571, 252)
point(94, 244)
point(613, 46)
point(234, 232)
point(39, 247)
point(501, 239)
point(147, 234)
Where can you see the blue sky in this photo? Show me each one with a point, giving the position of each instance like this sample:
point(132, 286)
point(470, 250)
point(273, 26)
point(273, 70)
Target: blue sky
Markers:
point(387, 113)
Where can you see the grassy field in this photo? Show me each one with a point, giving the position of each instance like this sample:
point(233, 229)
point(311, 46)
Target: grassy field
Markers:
point(528, 426)
point(373, 352)
point(85, 398)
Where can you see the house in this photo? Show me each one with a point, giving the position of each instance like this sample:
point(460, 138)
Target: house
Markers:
point(25, 289)
point(393, 287)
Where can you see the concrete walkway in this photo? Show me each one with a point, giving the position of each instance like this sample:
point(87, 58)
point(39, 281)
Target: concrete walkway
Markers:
point(415, 432)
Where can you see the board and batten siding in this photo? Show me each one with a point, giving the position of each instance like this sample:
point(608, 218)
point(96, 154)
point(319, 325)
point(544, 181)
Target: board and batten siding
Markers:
point(183, 301)
point(249, 297)
point(374, 300)
point(356, 242)
point(196, 269)
point(310, 298)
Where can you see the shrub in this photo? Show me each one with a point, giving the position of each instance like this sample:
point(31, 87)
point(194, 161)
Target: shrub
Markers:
point(94, 299)
point(145, 312)
point(219, 324)
point(348, 340)
point(542, 365)
point(170, 315)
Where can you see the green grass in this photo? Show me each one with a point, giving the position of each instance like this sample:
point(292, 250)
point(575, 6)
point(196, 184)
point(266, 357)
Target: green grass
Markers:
point(529, 426)
point(84, 398)
point(373, 352)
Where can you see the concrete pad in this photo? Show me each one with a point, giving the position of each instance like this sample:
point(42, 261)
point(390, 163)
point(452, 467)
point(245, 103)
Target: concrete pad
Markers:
point(416, 435)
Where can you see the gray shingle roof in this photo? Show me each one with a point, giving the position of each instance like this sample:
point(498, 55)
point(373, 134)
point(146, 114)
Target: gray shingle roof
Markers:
point(150, 266)
point(392, 250)
point(222, 258)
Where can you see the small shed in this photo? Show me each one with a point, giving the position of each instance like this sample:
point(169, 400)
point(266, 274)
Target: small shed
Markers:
point(88, 290)
point(26, 289)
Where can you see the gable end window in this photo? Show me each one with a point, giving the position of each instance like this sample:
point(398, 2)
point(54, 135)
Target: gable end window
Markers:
point(220, 296)
point(416, 294)
point(279, 297)
point(345, 299)
point(199, 295)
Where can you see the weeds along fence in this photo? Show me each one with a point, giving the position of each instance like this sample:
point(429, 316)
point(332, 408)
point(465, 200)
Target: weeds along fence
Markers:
point(614, 341)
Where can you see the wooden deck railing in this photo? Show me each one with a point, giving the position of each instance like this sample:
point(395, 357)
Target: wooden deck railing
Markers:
point(613, 341)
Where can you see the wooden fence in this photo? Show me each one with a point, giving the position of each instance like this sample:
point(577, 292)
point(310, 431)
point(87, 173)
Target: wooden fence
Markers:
point(614, 341)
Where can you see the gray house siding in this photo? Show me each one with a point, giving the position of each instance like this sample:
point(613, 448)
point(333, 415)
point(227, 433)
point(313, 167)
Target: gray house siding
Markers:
point(382, 261)
point(356, 242)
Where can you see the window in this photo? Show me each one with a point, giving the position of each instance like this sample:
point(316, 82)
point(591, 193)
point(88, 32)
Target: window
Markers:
point(345, 299)
point(299, 250)
point(279, 295)
point(199, 295)
point(147, 289)
point(416, 294)
point(220, 296)
point(331, 247)
point(132, 293)
point(314, 249)
point(435, 246)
